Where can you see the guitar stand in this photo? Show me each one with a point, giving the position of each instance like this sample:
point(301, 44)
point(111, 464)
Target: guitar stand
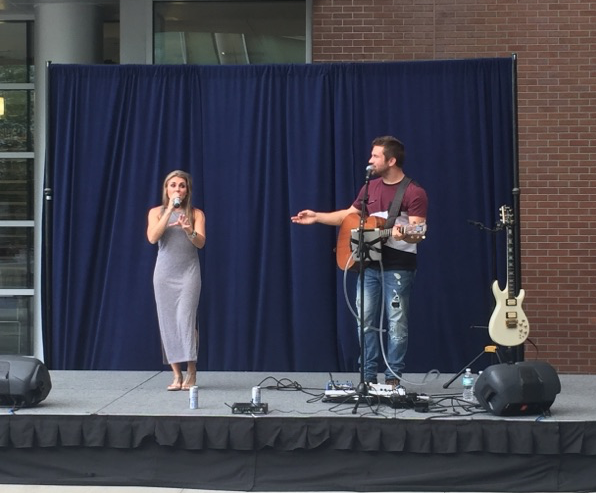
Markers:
point(487, 349)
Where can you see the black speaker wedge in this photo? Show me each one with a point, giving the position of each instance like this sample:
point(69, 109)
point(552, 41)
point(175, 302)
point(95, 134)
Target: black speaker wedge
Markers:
point(24, 381)
point(516, 389)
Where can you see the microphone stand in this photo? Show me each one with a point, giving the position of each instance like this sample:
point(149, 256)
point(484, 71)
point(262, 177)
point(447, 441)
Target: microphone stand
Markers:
point(362, 389)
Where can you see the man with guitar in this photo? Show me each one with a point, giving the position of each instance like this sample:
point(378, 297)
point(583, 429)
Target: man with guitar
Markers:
point(394, 278)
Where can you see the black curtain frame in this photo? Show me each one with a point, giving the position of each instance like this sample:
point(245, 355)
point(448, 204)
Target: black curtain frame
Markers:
point(46, 266)
point(262, 143)
point(518, 352)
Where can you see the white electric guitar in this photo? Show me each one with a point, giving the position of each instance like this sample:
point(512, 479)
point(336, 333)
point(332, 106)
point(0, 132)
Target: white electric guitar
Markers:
point(508, 325)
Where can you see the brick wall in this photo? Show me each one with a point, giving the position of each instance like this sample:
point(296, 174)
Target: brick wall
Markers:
point(555, 42)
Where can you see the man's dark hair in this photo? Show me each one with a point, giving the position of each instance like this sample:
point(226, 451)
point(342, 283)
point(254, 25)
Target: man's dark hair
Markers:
point(392, 147)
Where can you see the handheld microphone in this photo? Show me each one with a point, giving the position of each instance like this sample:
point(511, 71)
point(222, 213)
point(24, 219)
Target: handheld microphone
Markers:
point(177, 202)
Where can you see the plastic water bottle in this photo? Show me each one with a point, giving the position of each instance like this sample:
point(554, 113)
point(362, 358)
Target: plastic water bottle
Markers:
point(468, 382)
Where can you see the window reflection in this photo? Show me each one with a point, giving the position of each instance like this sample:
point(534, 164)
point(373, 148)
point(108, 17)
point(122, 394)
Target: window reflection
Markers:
point(15, 320)
point(16, 64)
point(16, 257)
point(221, 33)
point(16, 124)
point(16, 189)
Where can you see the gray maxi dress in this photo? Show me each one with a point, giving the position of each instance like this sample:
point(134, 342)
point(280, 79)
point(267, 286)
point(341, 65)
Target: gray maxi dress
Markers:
point(177, 286)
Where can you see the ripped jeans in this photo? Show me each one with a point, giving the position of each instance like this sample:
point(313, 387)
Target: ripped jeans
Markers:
point(396, 286)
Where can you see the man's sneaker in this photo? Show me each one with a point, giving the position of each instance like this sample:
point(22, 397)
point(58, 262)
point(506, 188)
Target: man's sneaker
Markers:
point(371, 381)
point(394, 382)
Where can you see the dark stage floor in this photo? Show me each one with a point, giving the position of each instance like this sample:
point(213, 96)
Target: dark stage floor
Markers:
point(126, 429)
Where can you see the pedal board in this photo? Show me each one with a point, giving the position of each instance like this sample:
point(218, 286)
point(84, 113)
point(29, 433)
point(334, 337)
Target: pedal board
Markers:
point(249, 408)
point(374, 390)
point(337, 385)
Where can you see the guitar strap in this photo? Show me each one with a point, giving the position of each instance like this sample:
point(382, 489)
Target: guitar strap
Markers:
point(394, 209)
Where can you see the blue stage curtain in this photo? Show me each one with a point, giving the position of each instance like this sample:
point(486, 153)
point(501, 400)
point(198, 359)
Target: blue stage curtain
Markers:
point(262, 143)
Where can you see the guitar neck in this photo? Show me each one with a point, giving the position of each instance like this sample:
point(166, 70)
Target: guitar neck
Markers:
point(408, 229)
point(510, 265)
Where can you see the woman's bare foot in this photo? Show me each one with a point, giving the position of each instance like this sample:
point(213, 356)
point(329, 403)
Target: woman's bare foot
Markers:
point(190, 380)
point(176, 384)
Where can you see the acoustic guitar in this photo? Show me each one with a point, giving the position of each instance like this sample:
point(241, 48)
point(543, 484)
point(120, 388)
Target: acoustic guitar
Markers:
point(373, 227)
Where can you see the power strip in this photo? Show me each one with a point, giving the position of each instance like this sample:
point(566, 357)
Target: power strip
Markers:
point(249, 408)
point(418, 402)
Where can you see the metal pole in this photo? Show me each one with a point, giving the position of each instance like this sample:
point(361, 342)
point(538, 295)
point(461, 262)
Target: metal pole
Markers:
point(519, 350)
point(47, 236)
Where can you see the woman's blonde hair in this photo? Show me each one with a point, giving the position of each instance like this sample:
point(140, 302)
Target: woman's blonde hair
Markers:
point(186, 204)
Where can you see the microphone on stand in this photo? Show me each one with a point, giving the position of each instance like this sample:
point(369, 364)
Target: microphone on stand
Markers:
point(177, 202)
point(369, 169)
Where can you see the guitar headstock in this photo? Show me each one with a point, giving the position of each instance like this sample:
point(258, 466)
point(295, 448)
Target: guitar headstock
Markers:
point(506, 215)
point(414, 229)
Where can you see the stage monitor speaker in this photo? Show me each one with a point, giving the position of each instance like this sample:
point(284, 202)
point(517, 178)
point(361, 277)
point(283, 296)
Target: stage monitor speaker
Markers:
point(24, 381)
point(515, 389)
